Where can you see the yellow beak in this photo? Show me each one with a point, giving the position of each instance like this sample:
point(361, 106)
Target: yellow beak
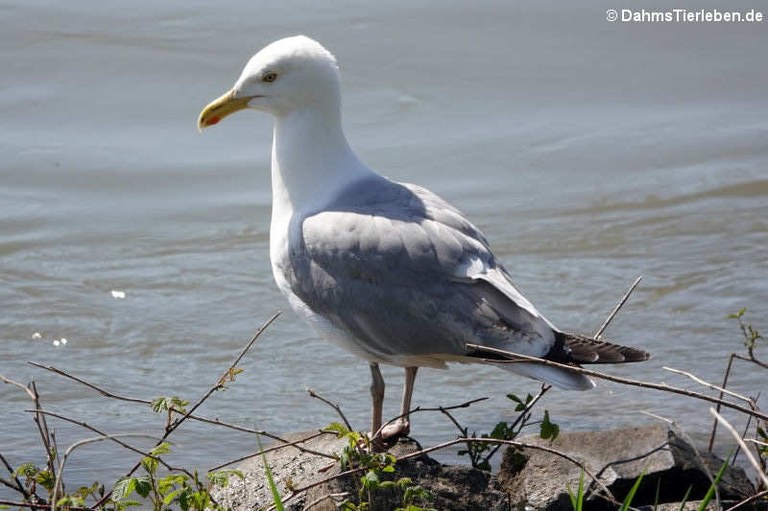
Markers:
point(221, 107)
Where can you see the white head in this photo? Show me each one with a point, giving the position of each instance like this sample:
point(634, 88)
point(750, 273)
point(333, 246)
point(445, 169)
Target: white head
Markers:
point(288, 75)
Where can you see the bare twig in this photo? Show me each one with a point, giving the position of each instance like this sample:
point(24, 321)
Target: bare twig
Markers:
point(322, 498)
point(754, 359)
point(333, 405)
point(37, 505)
point(465, 404)
point(753, 498)
point(286, 443)
point(658, 417)
point(217, 386)
point(443, 409)
point(23, 387)
point(617, 308)
point(247, 348)
point(522, 416)
point(199, 418)
point(16, 484)
point(523, 413)
point(725, 384)
point(63, 460)
point(114, 438)
point(740, 441)
point(100, 390)
point(462, 429)
point(220, 383)
point(518, 358)
point(723, 390)
point(48, 438)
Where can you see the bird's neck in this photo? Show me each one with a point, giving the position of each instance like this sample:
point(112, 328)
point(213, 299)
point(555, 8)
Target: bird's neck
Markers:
point(311, 160)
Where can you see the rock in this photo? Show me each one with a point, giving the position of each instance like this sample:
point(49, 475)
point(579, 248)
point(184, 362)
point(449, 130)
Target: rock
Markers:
point(289, 466)
point(454, 487)
point(529, 478)
point(617, 457)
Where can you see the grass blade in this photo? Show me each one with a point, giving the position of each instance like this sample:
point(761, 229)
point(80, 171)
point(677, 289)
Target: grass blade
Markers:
point(631, 495)
point(713, 487)
point(577, 499)
point(271, 482)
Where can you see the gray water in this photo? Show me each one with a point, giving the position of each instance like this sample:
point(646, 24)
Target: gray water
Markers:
point(589, 152)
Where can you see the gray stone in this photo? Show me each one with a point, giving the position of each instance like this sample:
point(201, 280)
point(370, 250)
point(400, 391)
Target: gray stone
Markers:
point(617, 457)
point(454, 487)
point(290, 466)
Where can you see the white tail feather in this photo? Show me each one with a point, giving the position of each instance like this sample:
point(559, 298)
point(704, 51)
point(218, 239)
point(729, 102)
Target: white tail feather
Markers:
point(561, 378)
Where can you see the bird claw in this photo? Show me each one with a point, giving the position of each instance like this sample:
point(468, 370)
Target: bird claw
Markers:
point(389, 434)
point(400, 428)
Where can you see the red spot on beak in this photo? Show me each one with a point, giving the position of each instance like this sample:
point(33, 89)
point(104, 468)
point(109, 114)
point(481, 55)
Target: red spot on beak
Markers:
point(213, 120)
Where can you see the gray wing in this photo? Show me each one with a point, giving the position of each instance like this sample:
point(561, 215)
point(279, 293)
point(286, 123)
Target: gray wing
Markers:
point(406, 274)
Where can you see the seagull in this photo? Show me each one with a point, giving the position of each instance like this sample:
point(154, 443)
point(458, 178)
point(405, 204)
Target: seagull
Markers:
point(388, 271)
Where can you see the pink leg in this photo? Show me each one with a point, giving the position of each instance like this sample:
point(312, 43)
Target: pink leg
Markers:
point(402, 426)
point(377, 396)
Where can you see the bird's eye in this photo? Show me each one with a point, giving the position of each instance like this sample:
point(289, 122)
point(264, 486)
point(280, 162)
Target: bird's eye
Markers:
point(269, 77)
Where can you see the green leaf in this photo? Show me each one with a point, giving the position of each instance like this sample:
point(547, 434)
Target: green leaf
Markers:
point(338, 428)
point(123, 487)
point(160, 449)
point(170, 497)
point(46, 479)
point(183, 499)
point(159, 404)
point(26, 469)
point(221, 477)
point(66, 500)
point(521, 404)
point(150, 465)
point(370, 480)
point(179, 404)
point(500, 431)
point(143, 486)
point(737, 315)
point(549, 430)
point(230, 375)
point(413, 493)
point(171, 481)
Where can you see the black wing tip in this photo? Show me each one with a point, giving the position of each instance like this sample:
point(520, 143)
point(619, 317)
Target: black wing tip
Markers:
point(586, 350)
